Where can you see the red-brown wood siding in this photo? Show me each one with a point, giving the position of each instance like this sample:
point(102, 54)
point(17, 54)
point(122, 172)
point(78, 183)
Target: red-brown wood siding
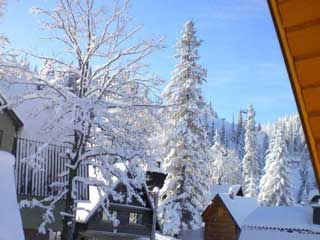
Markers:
point(219, 224)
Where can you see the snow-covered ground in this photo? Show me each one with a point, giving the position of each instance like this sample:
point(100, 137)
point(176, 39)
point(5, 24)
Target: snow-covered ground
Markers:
point(10, 220)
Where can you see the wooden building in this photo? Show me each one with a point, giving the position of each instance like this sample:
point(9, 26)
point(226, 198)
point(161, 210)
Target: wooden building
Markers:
point(297, 23)
point(224, 216)
point(135, 217)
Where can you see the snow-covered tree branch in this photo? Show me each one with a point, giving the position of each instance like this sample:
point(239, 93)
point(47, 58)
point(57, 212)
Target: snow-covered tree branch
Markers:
point(99, 90)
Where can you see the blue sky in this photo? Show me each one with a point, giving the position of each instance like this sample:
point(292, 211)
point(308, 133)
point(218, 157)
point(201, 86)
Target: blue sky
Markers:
point(240, 49)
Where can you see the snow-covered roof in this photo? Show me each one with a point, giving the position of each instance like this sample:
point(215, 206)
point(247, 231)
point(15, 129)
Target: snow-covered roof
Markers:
point(278, 223)
point(35, 113)
point(239, 207)
point(86, 208)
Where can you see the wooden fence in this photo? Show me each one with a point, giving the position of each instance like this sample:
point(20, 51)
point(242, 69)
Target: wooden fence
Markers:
point(50, 161)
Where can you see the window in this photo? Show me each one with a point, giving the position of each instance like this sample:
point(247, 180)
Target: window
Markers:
point(136, 218)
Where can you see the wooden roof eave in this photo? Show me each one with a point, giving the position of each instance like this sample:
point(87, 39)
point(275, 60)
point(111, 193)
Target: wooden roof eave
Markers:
point(295, 85)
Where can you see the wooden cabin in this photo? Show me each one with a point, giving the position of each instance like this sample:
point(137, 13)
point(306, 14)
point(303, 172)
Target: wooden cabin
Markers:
point(135, 217)
point(297, 23)
point(224, 216)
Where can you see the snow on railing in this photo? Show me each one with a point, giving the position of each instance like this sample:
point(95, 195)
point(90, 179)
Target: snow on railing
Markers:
point(47, 172)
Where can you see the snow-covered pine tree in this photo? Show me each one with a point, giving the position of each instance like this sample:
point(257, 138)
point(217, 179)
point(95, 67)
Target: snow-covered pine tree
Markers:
point(225, 163)
point(186, 161)
point(304, 172)
point(223, 136)
point(250, 163)
point(240, 136)
point(263, 151)
point(208, 119)
point(233, 136)
point(275, 185)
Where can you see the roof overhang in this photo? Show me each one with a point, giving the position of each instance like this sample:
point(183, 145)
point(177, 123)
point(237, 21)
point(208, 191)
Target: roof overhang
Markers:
point(297, 23)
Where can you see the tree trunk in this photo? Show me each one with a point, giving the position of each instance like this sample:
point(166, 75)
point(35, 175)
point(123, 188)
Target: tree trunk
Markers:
point(68, 222)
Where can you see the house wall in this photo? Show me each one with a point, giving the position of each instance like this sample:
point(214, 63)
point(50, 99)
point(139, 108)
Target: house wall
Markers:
point(95, 224)
point(9, 132)
point(31, 220)
point(219, 224)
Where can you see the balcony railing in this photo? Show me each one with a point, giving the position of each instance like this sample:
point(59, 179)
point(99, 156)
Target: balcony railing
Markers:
point(50, 163)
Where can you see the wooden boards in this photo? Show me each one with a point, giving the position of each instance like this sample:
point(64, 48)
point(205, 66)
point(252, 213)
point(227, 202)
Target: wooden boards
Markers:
point(298, 27)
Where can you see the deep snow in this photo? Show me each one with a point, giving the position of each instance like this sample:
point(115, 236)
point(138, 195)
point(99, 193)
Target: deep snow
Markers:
point(10, 220)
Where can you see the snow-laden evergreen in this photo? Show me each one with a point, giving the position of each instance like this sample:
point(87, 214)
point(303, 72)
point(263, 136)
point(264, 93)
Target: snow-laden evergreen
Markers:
point(226, 165)
point(305, 173)
point(239, 139)
point(186, 160)
point(250, 163)
point(275, 186)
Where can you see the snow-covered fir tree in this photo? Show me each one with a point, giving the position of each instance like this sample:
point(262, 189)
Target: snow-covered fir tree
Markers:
point(223, 135)
point(186, 161)
point(264, 148)
point(208, 120)
point(233, 136)
point(304, 172)
point(226, 165)
point(239, 142)
point(275, 185)
point(250, 162)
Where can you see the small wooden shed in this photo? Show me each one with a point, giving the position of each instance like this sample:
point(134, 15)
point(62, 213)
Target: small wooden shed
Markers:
point(224, 216)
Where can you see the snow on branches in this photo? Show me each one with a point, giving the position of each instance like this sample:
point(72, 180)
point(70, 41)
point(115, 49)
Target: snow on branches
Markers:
point(186, 160)
point(99, 91)
point(275, 185)
point(250, 163)
point(225, 163)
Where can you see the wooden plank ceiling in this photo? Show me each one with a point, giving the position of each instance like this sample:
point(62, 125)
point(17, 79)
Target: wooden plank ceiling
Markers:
point(298, 27)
